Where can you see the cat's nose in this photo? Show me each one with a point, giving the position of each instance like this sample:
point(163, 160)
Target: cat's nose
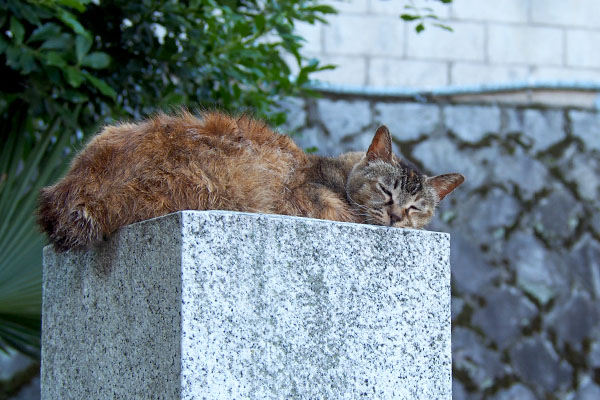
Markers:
point(394, 218)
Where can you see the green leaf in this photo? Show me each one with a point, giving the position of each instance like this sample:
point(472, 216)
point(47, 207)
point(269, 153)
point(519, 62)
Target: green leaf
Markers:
point(446, 27)
point(96, 60)
point(302, 76)
point(46, 31)
point(173, 98)
point(64, 41)
point(326, 67)
point(259, 22)
point(17, 30)
point(74, 96)
point(409, 17)
point(27, 61)
point(74, 76)
point(82, 47)
point(100, 85)
point(419, 28)
point(76, 4)
point(71, 21)
point(55, 59)
point(322, 8)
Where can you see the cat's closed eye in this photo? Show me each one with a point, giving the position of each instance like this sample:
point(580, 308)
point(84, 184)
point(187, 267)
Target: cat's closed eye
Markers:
point(384, 190)
point(389, 198)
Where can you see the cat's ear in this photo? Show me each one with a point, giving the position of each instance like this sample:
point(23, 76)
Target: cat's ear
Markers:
point(444, 184)
point(381, 146)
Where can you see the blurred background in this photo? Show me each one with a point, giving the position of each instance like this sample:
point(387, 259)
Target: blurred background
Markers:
point(505, 92)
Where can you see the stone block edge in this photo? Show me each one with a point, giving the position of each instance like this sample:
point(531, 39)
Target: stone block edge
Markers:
point(276, 217)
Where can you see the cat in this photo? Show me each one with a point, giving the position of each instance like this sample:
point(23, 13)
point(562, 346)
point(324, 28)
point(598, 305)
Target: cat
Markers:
point(135, 171)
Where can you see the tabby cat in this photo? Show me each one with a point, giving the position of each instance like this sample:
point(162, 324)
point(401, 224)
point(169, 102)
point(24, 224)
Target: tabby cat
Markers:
point(132, 172)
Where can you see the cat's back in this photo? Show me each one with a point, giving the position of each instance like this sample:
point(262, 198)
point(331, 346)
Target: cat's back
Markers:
point(176, 138)
point(136, 171)
point(237, 159)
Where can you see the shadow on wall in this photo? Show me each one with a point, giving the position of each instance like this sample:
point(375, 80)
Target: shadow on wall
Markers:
point(525, 233)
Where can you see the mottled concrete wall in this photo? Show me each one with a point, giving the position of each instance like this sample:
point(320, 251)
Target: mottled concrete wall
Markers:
point(223, 305)
point(525, 232)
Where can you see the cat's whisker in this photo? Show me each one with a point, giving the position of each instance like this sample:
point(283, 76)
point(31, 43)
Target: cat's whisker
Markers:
point(354, 203)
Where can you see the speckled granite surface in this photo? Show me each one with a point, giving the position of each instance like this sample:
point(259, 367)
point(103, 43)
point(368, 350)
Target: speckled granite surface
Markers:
point(222, 305)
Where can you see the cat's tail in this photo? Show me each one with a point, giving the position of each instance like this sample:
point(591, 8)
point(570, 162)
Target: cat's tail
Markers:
point(67, 225)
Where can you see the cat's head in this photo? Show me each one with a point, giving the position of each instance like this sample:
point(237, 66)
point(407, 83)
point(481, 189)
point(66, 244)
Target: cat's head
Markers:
point(384, 190)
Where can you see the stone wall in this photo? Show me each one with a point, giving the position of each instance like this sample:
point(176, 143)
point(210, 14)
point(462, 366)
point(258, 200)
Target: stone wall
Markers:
point(492, 42)
point(525, 232)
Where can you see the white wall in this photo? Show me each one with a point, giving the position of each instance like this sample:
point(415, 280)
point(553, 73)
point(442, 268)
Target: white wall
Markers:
point(494, 41)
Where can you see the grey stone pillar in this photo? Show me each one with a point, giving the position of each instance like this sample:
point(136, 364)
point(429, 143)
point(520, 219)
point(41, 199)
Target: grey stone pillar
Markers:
point(224, 305)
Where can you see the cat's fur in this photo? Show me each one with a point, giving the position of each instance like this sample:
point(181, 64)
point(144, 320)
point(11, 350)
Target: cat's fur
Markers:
point(132, 172)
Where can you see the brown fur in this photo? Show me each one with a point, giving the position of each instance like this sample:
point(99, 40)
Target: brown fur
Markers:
point(133, 172)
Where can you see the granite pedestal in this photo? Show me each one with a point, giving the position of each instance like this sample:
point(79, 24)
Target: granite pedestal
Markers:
point(225, 305)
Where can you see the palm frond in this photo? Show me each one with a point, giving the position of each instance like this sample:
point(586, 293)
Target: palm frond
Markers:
point(26, 167)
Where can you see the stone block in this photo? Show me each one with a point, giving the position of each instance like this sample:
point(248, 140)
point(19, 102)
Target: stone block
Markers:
point(543, 128)
point(513, 120)
point(586, 126)
point(516, 168)
point(584, 170)
point(390, 72)
point(588, 391)
point(594, 355)
point(536, 363)
point(516, 391)
point(344, 118)
point(506, 312)
point(364, 35)
point(441, 155)
point(315, 138)
point(496, 210)
point(583, 262)
point(472, 123)
point(498, 11)
point(295, 111)
point(479, 73)
point(539, 272)
point(471, 272)
point(472, 357)
point(465, 43)
point(312, 33)
point(525, 45)
point(408, 121)
point(581, 48)
point(575, 320)
point(565, 74)
point(579, 13)
point(348, 70)
point(223, 305)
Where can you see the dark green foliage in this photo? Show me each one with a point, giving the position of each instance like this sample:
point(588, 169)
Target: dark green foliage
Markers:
point(67, 66)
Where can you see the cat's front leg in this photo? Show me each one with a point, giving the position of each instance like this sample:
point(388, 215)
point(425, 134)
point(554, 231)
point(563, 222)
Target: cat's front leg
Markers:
point(325, 203)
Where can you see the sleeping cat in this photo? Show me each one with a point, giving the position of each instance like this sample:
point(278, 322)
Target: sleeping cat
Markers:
point(132, 172)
